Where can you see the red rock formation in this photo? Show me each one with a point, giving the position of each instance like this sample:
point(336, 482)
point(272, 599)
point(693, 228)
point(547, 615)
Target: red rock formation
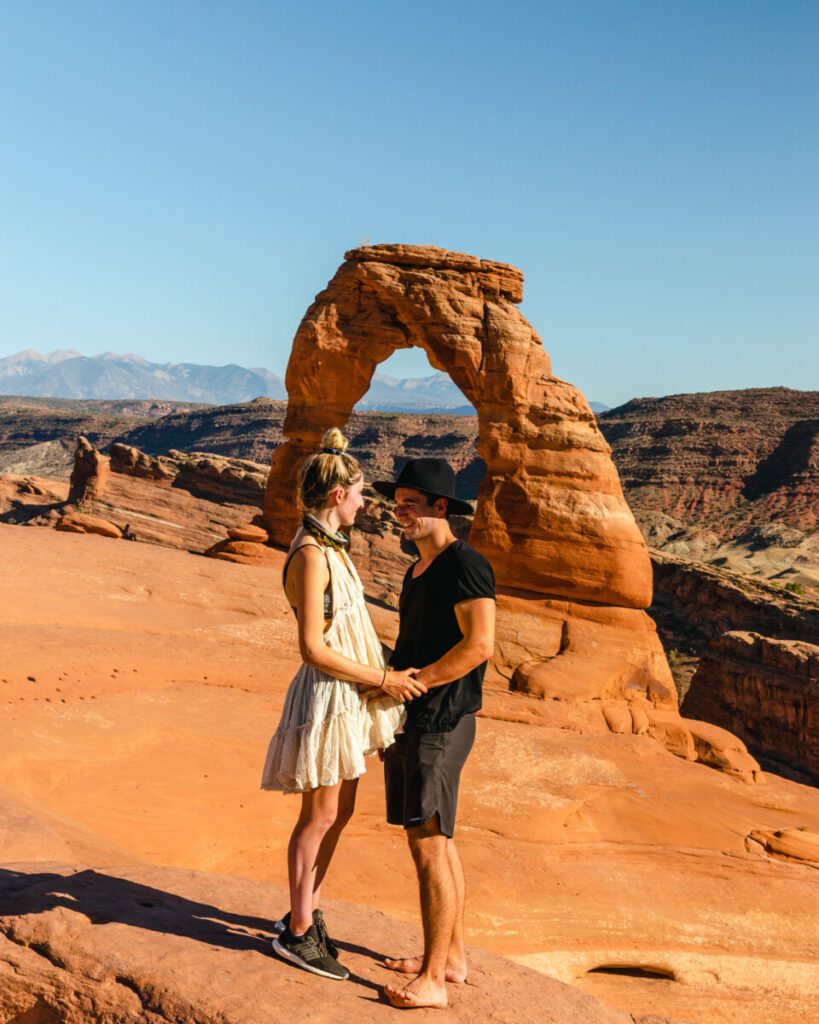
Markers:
point(551, 514)
point(77, 522)
point(695, 603)
point(728, 461)
point(89, 475)
point(202, 473)
point(573, 571)
point(764, 690)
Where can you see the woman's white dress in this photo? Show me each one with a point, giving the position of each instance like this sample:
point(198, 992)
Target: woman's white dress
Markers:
point(327, 728)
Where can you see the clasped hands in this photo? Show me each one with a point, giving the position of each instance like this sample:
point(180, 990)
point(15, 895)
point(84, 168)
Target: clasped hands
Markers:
point(402, 685)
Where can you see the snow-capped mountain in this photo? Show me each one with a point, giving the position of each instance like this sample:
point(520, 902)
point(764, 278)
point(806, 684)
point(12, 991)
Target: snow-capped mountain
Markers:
point(67, 374)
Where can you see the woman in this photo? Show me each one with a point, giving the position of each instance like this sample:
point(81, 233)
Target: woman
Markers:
point(330, 720)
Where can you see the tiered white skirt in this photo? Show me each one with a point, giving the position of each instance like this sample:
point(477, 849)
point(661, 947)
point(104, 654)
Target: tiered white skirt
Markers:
point(327, 728)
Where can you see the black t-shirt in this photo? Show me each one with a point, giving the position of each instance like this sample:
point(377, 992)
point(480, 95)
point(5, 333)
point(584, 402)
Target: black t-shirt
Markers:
point(429, 628)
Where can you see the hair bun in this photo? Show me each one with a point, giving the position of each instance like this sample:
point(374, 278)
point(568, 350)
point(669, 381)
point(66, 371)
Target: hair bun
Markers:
point(335, 439)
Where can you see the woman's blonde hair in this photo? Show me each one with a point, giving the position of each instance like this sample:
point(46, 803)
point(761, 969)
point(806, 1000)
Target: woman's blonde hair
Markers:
point(327, 469)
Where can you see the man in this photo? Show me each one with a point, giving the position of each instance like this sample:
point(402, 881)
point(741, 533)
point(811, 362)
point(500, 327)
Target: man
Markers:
point(447, 625)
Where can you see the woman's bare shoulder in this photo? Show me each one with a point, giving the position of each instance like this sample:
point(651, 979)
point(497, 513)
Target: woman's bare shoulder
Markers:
point(308, 552)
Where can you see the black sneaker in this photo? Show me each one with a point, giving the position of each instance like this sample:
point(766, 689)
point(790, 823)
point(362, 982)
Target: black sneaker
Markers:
point(308, 951)
point(321, 928)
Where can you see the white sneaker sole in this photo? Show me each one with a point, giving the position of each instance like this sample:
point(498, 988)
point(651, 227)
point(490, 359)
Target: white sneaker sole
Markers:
point(285, 954)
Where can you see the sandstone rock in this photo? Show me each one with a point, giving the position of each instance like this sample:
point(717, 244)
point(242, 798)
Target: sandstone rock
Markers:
point(89, 475)
point(202, 473)
point(551, 514)
point(618, 717)
point(766, 691)
point(154, 945)
point(248, 532)
point(720, 749)
point(565, 650)
point(244, 552)
point(127, 459)
point(69, 527)
point(791, 843)
point(74, 522)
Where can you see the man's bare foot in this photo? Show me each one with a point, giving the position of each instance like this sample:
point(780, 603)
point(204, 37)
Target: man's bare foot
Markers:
point(456, 973)
point(421, 992)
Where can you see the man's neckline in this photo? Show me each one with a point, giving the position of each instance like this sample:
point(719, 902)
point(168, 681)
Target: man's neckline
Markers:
point(434, 560)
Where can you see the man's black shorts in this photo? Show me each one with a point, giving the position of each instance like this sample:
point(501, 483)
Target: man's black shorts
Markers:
point(422, 771)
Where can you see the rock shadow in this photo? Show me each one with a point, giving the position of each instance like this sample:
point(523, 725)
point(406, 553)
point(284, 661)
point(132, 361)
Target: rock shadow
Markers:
point(789, 458)
point(106, 898)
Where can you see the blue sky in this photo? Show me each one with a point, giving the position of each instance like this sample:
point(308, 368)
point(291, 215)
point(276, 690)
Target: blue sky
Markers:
point(179, 179)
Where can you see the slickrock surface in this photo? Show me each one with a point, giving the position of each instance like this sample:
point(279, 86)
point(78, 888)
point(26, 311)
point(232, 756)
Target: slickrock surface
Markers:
point(142, 685)
point(764, 690)
point(551, 514)
point(154, 945)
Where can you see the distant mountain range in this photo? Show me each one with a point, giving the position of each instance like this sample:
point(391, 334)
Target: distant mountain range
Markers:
point(66, 373)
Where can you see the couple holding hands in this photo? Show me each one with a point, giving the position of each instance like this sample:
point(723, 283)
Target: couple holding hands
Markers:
point(345, 702)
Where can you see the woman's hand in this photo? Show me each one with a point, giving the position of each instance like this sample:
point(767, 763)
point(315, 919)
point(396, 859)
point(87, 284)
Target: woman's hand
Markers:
point(403, 685)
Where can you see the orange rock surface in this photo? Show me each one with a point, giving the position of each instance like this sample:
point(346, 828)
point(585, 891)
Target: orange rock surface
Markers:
point(190, 948)
point(138, 690)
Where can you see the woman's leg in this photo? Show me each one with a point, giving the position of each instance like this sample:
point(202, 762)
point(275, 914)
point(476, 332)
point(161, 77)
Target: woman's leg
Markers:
point(319, 810)
point(345, 808)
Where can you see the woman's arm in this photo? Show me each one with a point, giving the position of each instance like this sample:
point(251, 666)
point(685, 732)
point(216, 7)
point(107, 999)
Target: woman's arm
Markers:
point(310, 577)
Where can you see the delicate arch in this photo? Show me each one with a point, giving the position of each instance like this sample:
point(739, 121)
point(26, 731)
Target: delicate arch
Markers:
point(551, 515)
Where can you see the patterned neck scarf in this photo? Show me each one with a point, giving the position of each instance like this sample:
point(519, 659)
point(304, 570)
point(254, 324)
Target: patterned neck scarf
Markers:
point(338, 541)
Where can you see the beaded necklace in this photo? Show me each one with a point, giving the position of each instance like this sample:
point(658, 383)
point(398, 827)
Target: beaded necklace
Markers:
point(337, 541)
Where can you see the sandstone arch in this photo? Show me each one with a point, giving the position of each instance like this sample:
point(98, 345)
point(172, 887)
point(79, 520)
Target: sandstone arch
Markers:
point(551, 514)
point(573, 571)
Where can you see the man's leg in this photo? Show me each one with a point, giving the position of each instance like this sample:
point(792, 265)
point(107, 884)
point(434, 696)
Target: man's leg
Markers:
point(456, 956)
point(438, 910)
point(456, 968)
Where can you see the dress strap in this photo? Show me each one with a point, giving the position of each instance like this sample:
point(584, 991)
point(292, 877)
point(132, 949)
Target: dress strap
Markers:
point(328, 593)
point(307, 544)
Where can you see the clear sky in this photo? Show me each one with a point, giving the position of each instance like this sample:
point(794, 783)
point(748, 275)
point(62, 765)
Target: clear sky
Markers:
point(179, 179)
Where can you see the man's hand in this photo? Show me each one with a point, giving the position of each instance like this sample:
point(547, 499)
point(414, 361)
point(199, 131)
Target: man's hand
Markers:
point(401, 685)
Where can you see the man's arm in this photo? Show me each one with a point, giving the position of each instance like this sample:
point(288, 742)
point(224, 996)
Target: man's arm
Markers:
point(476, 620)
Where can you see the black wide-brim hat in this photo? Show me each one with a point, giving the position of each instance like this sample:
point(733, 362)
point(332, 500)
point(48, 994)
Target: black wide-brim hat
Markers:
point(435, 477)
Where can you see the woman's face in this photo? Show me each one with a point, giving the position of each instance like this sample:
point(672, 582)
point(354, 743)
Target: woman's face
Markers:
point(351, 501)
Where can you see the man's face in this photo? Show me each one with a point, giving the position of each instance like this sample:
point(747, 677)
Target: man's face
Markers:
point(417, 512)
